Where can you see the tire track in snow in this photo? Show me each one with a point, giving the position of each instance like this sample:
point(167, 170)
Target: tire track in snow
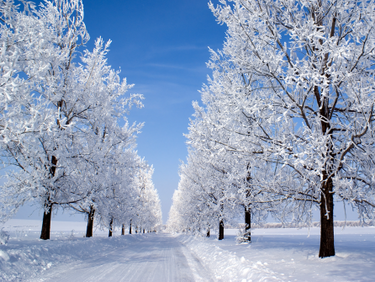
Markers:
point(154, 257)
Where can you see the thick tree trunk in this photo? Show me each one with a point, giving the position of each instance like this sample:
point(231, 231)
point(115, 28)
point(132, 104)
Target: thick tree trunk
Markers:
point(327, 243)
point(90, 222)
point(221, 230)
point(144, 231)
point(247, 235)
point(110, 228)
point(46, 225)
point(123, 229)
point(130, 227)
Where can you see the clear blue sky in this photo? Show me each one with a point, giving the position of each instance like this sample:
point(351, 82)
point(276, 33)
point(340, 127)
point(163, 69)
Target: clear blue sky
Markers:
point(162, 48)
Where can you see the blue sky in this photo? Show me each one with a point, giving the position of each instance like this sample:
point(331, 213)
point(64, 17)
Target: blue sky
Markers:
point(162, 48)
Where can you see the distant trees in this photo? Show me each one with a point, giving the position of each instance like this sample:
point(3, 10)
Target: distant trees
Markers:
point(292, 95)
point(60, 116)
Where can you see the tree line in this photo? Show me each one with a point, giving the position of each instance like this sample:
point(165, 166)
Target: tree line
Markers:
point(64, 134)
point(287, 121)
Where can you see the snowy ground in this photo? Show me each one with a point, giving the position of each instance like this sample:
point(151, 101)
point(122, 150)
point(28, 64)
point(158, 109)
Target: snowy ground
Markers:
point(275, 255)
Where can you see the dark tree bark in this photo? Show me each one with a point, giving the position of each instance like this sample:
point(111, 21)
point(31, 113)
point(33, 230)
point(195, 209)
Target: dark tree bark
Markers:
point(327, 243)
point(130, 227)
point(327, 240)
point(247, 224)
point(46, 225)
point(123, 229)
point(208, 234)
point(90, 222)
point(247, 235)
point(144, 231)
point(47, 215)
point(110, 228)
point(327, 246)
point(221, 230)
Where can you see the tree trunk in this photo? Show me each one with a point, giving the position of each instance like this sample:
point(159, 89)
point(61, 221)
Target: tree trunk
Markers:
point(144, 231)
point(327, 244)
point(130, 227)
point(46, 225)
point(208, 234)
point(221, 230)
point(110, 228)
point(90, 222)
point(247, 235)
point(123, 229)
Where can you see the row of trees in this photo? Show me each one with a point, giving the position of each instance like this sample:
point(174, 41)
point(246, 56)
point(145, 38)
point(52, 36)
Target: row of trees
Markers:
point(64, 134)
point(288, 117)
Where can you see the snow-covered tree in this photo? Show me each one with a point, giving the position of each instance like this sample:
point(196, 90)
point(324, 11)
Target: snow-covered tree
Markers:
point(219, 180)
point(60, 118)
point(292, 89)
point(106, 151)
point(147, 210)
point(30, 49)
point(213, 189)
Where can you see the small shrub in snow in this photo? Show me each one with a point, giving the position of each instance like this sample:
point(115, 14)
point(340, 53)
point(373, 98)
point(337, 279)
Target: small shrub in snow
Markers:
point(243, 236)
point(4, 237)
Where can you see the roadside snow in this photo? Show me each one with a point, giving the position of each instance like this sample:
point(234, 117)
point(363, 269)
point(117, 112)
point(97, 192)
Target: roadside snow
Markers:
point(274, 255)
point(288, 255)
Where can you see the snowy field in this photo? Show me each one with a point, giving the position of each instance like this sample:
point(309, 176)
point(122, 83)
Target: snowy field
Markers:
point(274, 255)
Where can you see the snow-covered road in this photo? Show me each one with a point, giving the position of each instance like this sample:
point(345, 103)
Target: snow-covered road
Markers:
point(276, 254)
point(159, 258)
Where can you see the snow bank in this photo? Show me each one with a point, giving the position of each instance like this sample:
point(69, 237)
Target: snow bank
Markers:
point(4, 237)
point(25, 259)
point(288, 254)
point(227, 265)
point(25, 256)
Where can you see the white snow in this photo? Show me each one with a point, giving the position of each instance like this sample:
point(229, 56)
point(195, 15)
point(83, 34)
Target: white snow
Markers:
point(289, 255)
point(276, 254)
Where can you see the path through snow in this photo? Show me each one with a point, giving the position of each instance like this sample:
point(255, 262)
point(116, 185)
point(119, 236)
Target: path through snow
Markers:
point(160, 257)
point(276, 254)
